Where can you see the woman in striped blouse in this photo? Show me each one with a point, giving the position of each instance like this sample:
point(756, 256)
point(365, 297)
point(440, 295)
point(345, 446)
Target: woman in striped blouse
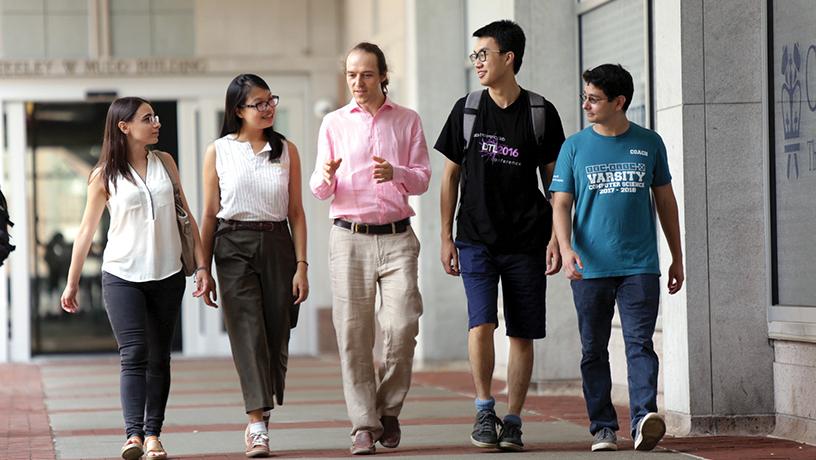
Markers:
point(252, 196)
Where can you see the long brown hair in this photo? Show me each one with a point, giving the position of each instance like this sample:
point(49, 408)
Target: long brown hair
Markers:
point(113, 159)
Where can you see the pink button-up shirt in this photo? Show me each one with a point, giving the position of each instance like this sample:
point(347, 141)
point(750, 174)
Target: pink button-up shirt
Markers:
point(393, 133)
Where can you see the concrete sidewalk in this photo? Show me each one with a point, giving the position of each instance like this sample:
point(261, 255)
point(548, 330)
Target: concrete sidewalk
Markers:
point(75, 403)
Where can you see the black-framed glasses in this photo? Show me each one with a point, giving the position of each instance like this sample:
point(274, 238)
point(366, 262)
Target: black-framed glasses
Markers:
point(592, 99)
point(262, 106)
point(481, 55)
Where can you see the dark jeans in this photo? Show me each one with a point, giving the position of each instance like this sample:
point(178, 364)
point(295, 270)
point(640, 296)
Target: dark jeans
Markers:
point(638, 298)
point(143, 317)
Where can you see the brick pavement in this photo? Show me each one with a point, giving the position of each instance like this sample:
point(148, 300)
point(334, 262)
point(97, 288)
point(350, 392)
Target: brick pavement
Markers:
point(76, 401)
point(24, 429)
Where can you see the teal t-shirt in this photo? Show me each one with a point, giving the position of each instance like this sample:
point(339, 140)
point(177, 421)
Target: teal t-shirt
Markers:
point(610, 178)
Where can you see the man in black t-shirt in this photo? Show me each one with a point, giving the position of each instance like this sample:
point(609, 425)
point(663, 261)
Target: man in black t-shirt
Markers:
point(504, 224)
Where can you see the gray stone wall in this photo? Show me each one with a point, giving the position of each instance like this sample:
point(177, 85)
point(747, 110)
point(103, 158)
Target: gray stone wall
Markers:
point(722, 380)
point(440, 81)
point(794, 396)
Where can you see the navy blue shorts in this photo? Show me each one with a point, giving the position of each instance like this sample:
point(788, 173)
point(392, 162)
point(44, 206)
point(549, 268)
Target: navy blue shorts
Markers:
point(524, 289)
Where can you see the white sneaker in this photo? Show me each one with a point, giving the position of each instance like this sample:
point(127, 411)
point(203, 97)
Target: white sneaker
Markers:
point(257, 445)
point(650, 431)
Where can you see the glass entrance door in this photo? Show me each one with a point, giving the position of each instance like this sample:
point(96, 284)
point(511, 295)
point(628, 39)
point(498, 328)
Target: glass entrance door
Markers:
point(64, 142)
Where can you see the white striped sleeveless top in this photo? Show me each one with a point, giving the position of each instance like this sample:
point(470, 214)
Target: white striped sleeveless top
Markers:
point(252, 187)
point(143, 238)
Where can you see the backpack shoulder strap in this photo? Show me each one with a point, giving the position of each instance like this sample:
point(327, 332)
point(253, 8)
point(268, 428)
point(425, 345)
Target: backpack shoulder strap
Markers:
point(469, 117)
point(160, 155)
point(538, 113)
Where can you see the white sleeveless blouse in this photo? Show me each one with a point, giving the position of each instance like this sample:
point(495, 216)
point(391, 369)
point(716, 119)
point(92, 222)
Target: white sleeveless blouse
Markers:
point(252, 188)
point(143, 239)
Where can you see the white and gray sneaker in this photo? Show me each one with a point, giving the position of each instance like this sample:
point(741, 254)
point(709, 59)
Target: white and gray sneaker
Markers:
point(605, 439)
point(650, 431)
point(257, 445)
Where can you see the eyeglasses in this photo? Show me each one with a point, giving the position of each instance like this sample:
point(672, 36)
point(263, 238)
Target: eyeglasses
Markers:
point(481, 55)
point(151, 120)
point(592, 99)
point(262, 106)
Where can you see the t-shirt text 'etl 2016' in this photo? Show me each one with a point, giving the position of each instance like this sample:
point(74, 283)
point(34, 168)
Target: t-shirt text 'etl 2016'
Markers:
point(500, 204)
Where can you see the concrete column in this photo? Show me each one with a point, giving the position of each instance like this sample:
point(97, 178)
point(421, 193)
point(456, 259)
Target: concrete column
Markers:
point(717, 359)
point(20, 312)
point(439, 81)
point(550, 68)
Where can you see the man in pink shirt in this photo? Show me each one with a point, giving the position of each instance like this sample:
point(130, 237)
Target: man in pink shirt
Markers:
point(371, 155)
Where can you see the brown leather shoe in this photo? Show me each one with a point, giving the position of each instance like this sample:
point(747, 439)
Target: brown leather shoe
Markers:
point(363, 443)
point(391, 431)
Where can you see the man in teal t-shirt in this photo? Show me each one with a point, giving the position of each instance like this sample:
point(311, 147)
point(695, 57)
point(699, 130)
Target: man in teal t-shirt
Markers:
point(610, 171)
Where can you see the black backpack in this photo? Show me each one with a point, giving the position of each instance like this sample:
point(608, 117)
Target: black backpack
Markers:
point(538, 113)
point(5, 222)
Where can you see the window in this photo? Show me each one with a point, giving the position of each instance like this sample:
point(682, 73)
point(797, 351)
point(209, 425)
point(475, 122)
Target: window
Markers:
point(617, 32)
point(152, 28)
point(791, 85)
point(43, 29)
point(792, 103)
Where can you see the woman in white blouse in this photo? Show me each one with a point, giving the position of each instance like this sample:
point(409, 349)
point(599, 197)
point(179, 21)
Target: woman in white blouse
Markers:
point(252, 196)
point(142, 281)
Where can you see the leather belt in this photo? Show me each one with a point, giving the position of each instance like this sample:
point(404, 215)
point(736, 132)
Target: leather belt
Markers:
point(371, 229)
point(227, 225)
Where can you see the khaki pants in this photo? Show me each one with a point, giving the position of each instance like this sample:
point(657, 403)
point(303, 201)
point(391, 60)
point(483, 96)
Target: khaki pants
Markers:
point(358, 263)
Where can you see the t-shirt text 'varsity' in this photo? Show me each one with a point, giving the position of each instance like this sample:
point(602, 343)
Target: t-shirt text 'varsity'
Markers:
point(610, 178)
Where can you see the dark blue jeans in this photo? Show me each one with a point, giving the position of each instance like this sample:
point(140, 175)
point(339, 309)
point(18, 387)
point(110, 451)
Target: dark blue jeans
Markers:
point(143, 317)
point(638, 297)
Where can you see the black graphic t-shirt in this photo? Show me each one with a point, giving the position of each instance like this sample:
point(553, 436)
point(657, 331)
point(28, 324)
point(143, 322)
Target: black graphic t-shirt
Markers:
point(500, 204)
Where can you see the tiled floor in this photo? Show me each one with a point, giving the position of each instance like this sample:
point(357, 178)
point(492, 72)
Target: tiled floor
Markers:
point(76, 403)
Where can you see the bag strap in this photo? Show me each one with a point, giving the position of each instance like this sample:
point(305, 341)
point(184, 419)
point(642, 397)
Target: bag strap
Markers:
point(538, 113)
point(538, 116)
point(469, 117)
point(159, 155)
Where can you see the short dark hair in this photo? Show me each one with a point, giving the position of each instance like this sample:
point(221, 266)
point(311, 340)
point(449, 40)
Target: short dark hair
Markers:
point(508, 36)
point(613, 79)
point(382, 66)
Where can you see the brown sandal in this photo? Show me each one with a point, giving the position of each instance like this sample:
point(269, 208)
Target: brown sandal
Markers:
point(154, 449)
point(133, 448)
